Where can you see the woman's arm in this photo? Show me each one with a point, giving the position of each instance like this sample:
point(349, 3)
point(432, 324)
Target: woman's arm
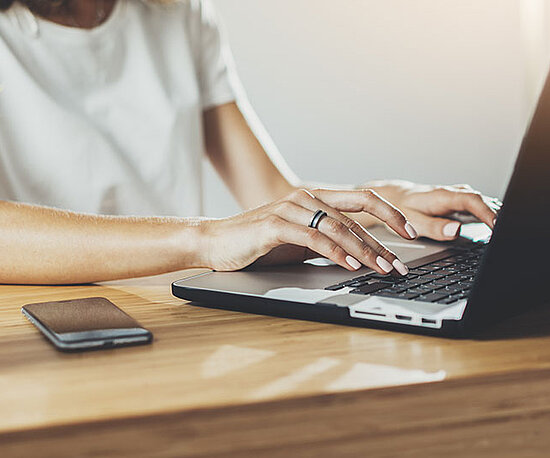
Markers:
point(40, 245)
point(48, 246)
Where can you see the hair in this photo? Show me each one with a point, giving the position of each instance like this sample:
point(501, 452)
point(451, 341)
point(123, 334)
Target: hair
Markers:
point(45, 5)
point(32, 4)
point(5, 4)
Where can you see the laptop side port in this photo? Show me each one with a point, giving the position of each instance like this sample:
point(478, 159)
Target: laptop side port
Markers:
point(403, 317)
point(364, 312)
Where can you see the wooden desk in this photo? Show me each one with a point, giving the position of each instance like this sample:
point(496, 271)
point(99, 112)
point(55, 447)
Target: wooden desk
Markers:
point(218, 383)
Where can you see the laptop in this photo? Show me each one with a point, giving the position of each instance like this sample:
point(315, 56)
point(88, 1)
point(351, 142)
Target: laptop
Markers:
point(453, 289)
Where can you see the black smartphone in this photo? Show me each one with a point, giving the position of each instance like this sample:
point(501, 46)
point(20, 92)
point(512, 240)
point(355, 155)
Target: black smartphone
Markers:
point(90, 323)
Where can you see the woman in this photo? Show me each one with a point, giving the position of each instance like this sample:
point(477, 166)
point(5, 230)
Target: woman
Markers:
point(106, 107)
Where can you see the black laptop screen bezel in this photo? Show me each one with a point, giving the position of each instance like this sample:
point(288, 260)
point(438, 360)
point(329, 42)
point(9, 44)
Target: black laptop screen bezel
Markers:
point(511, 276)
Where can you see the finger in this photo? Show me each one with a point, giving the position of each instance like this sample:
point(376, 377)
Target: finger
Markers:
point(494, 207)
point(363, 247)
point(366, 248)
point(493, 203)
point(475, 204)
point(444, 201)
point(435, 228)
point(384, 261)
point(284, 232)
point(466, 217)
point(364, 200)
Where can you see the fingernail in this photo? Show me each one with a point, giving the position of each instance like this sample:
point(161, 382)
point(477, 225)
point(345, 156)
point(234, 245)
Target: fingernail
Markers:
point(400, 267)
point(411, 230)
point(354, 263)
point(451, 229)
point(384, 265)
point(494, 221)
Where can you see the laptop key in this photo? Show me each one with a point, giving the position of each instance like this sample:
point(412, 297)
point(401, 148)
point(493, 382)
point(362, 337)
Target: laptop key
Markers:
point(432, 297)
point(448, 300)
point(433, 276)
point(446, 281)
point(381, 276)
point(435, 286)
point(446, 271)
point(422, 280)
point(396, 289)
point(368, 289)
point(429, 268)
point(334, 287)
point(425, 286)
point(390, 280)
point(406, 296)
point(454, 289)
point(455, 277)
point(416, 272)
point(383, 293)
point(418, 291)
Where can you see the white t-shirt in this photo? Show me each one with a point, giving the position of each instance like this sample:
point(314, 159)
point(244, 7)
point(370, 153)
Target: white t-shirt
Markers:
point(109, 120)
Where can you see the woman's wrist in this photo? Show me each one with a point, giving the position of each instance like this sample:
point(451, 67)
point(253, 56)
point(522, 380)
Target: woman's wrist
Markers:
point(191, 243)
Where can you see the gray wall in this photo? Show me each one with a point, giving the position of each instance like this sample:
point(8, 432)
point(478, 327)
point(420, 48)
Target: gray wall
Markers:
point(352, 90)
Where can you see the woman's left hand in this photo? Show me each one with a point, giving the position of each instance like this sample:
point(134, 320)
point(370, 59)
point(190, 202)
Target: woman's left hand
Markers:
point(430, 209)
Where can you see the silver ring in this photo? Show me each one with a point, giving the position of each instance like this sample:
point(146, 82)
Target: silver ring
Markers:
point(317, 217)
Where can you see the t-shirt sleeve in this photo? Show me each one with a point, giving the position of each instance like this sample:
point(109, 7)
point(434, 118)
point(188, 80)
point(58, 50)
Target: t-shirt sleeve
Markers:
point(214, 63)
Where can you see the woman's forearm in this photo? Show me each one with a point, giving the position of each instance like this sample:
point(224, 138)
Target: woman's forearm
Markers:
point(253, 175)
point(40, 245)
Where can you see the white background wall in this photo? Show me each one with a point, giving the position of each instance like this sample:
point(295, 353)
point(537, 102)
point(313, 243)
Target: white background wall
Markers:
point(352, 90)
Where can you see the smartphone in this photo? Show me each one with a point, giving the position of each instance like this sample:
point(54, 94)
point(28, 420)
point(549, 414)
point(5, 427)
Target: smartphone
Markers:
point(90, 323)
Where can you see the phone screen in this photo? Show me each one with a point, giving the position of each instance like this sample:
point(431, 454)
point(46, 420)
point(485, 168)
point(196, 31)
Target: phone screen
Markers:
point(81, 324)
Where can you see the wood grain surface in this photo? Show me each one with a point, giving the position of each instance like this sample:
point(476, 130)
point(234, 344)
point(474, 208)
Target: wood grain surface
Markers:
point(219, 383)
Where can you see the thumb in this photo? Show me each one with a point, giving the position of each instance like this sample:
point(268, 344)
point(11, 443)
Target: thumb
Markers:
point(435, 228)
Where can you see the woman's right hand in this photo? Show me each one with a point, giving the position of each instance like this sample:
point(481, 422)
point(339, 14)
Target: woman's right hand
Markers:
point(278, 233)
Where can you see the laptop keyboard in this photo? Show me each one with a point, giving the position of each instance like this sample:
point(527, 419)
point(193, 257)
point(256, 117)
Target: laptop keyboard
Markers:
point(444, 281)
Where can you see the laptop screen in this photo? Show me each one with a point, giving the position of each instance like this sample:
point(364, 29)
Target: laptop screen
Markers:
point(514, 271)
